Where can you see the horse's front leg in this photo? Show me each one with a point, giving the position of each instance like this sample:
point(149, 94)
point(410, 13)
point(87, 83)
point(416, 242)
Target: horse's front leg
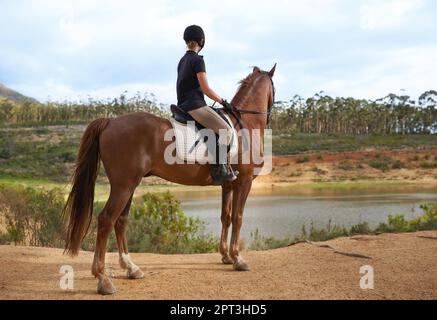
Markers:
point(226, 222)
point(241, 189)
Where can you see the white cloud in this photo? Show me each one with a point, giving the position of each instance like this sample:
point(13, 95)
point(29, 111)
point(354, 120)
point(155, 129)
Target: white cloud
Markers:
point(165, 92)
point(380, 14)
point(103, 47)
point(411, 69)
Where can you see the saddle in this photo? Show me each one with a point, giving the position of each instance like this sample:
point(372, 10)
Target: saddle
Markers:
point(183, 117)
point(191, 141)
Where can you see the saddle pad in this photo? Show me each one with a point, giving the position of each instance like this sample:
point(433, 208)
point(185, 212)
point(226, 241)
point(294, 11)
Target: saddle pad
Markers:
point(191, 145)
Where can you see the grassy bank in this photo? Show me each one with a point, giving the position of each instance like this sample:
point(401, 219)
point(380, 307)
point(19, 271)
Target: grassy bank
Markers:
point(301, 143)
point(39, 153)
point(50, 152)
point(290, 188)
point(357, 185)
point(394, 224)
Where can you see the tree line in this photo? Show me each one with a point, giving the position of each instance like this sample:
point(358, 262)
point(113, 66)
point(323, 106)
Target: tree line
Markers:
point(393, 114)
point(67, 112)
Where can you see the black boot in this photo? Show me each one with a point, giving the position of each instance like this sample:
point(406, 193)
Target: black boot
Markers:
point(222, 172)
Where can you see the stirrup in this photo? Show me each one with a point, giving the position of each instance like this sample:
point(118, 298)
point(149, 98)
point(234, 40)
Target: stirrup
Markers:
point(234, 172)
point(230, 176)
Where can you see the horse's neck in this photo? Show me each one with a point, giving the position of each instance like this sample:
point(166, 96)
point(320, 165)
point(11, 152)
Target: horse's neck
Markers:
point(254, 121)
point(252, 98)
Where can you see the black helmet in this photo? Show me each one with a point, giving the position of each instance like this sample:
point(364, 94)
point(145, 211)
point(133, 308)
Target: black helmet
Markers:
point(195, 33)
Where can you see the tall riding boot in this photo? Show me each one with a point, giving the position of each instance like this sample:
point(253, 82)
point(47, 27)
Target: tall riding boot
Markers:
point(221, 171)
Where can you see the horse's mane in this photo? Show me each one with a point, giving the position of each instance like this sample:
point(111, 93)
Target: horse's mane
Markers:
point(245, 84)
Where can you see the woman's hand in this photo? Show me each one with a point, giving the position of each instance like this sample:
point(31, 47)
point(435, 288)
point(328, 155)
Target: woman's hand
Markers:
point(226, 104)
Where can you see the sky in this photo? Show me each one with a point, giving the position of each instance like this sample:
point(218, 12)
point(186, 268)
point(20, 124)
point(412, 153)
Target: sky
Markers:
point(75, 49)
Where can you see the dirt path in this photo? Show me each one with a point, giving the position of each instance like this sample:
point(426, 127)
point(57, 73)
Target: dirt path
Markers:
point(405, 267)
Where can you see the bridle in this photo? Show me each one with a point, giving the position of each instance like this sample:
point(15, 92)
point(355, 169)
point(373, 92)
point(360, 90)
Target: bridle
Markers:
point(237, 112)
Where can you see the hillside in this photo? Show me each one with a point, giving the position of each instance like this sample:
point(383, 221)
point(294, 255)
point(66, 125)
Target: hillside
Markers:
point(404, 268)
point(49, 153)
point(15, 96)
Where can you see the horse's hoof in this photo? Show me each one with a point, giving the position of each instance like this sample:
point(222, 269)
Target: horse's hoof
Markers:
point(227, 260)
point(240, 265)
point(105, 287)
point(138, 274)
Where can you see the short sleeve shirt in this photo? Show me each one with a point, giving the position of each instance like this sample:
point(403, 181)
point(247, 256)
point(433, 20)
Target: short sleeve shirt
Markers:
point(190, 95)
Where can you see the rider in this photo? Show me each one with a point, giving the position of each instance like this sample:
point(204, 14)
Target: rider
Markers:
point(192, 84)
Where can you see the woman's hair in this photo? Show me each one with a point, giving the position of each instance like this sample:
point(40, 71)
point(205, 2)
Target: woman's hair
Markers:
point(192, 45)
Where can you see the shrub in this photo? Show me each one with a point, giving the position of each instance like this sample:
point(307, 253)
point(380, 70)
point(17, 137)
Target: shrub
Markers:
point(32, 217)
point(318, 170)
point(67, 157)
point(5, 152)
point(429, 220)
point(345, 165)
point(259, 242)
point(303, 159)
point(360, 228)
point(428, 165)
point(330, 232)
point(296, 173)
point(158, 224)
point(398, 164)
point(381, 164)
point(395, 223)
point(398, 223)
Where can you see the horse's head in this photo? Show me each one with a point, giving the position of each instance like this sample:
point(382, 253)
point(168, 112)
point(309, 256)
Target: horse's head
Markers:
point(256, 94)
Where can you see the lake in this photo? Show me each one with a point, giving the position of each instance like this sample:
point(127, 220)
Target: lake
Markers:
point(282, 212)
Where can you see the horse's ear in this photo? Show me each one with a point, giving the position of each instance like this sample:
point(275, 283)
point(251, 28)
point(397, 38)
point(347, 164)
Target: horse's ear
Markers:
point(272, 72)
point(256, 69)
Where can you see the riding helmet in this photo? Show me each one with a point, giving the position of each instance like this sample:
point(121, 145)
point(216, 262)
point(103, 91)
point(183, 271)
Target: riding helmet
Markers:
point(195, 33)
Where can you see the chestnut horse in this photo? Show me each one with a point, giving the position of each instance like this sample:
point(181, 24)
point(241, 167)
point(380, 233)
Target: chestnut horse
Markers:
point(132, 147)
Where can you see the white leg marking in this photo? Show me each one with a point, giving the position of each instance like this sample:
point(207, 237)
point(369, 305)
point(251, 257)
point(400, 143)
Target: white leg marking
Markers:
point(127, 261)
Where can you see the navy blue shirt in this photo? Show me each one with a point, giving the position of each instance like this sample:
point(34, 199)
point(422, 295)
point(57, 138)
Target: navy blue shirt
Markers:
point(190, 95)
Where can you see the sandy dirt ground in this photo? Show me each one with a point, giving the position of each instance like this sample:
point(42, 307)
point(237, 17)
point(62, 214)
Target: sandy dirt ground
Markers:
point(405, 267)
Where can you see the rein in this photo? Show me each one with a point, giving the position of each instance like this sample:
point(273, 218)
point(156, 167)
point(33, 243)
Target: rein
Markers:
point(237, 112)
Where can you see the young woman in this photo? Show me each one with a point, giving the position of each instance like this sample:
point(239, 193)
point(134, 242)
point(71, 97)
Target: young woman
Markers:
point(192, 85)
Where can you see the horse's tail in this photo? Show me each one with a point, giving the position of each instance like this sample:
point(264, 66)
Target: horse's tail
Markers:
point(79, 205)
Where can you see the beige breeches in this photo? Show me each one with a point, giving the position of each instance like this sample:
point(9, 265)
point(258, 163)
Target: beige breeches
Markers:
point(207, 117)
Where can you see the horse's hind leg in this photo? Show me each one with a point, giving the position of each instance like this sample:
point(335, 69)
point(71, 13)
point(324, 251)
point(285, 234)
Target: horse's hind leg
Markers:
point(116, 203)
point(133, 271)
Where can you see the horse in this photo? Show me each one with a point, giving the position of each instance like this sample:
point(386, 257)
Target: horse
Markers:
point(131, 147)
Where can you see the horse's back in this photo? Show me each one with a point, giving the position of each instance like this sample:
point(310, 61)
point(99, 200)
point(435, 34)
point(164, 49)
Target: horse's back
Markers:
point(131, 140)
point(135, 126)
point(138, 120)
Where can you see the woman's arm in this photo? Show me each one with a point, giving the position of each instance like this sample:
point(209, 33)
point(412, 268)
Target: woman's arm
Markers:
point(203, 81)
